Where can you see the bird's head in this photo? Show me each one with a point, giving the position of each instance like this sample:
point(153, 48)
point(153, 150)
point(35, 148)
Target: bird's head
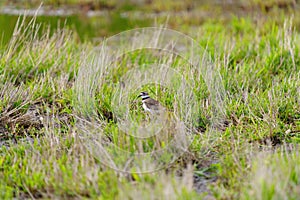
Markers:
point(143, 94)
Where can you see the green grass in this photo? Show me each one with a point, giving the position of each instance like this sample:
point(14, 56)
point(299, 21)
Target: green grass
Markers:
point(252, 154)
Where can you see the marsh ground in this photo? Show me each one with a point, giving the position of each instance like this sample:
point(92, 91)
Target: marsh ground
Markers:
point(252, 154)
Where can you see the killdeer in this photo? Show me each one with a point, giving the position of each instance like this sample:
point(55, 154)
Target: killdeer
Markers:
point(150, 105)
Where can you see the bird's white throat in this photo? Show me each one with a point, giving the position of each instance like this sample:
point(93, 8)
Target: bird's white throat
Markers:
point(144, 98)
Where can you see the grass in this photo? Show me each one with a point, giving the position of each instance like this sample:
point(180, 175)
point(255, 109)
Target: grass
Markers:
point(252, 154)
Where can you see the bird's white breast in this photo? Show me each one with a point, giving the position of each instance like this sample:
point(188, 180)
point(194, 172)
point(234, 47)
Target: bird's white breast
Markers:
point(146, 108)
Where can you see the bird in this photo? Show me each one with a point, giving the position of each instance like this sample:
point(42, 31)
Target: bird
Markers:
point(161, 126)
point(151, 105)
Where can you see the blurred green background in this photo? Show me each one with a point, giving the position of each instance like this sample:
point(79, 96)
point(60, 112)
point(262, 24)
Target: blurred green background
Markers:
point(93, 20)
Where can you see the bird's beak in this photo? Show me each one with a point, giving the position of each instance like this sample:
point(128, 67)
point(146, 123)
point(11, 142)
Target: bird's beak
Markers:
point(140, 95)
